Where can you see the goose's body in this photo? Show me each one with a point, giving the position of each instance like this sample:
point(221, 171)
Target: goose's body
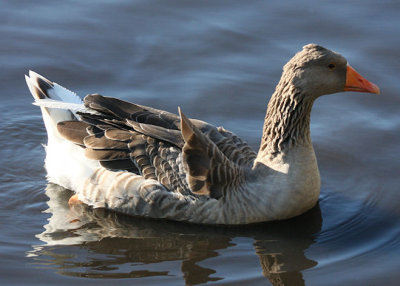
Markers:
point(147, 162)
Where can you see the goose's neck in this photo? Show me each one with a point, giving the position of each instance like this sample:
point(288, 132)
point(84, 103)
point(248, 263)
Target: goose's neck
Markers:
point(287, 122)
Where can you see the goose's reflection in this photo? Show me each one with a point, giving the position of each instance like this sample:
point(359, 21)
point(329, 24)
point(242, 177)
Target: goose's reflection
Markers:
point(83, 242)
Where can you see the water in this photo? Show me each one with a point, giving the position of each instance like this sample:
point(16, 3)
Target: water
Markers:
point(219, 61)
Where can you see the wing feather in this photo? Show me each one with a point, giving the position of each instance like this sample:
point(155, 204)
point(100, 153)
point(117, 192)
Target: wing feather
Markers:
point(187, 156)
point(209, 171)
point(74, 131)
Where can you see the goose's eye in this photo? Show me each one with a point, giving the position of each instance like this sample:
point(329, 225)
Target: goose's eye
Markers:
point(332, 66)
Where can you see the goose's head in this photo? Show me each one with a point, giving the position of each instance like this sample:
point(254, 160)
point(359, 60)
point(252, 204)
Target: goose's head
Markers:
point(316, 71)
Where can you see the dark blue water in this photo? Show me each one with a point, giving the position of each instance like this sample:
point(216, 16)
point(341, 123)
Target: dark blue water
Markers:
point(219, 61)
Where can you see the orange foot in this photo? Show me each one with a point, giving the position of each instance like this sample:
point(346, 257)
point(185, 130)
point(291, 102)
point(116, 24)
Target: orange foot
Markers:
point(74, 200)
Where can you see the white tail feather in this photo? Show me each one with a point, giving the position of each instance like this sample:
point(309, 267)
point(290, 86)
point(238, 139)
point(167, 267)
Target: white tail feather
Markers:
point(50, 95)
point(57, 92)
point(64, 94)
point(73, 107)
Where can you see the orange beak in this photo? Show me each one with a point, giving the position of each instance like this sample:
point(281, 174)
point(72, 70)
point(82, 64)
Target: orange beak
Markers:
point(355, 82)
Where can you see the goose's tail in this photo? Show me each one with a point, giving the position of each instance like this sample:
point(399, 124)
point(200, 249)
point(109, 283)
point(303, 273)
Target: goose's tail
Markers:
point(65, 162)
point(57, 103)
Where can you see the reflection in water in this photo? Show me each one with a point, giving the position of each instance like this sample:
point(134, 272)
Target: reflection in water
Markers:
point(84, 242)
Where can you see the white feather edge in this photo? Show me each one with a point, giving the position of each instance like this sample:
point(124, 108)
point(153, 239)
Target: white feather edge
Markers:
point(74, 107)
point(64, 94)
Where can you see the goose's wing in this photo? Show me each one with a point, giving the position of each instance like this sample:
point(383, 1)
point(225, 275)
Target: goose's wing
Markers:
point(186, 156)
point(119, 147)
point(166, 126)
point(209, 171)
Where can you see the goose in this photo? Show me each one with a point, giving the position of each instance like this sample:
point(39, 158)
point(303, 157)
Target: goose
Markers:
point(147, 162)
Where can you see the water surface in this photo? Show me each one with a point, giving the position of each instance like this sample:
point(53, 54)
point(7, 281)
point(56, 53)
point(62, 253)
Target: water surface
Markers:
point(219, 61)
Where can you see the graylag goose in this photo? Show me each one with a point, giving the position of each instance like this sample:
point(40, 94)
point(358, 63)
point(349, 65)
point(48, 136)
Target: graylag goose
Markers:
point(142, 161)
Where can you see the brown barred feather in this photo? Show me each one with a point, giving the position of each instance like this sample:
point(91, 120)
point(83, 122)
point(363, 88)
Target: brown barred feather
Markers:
point(118, 135)
point(92, 130)
point(102, 142)
point(106, 155)
point(74, 131)
point(209, 171)
point(123, 164)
